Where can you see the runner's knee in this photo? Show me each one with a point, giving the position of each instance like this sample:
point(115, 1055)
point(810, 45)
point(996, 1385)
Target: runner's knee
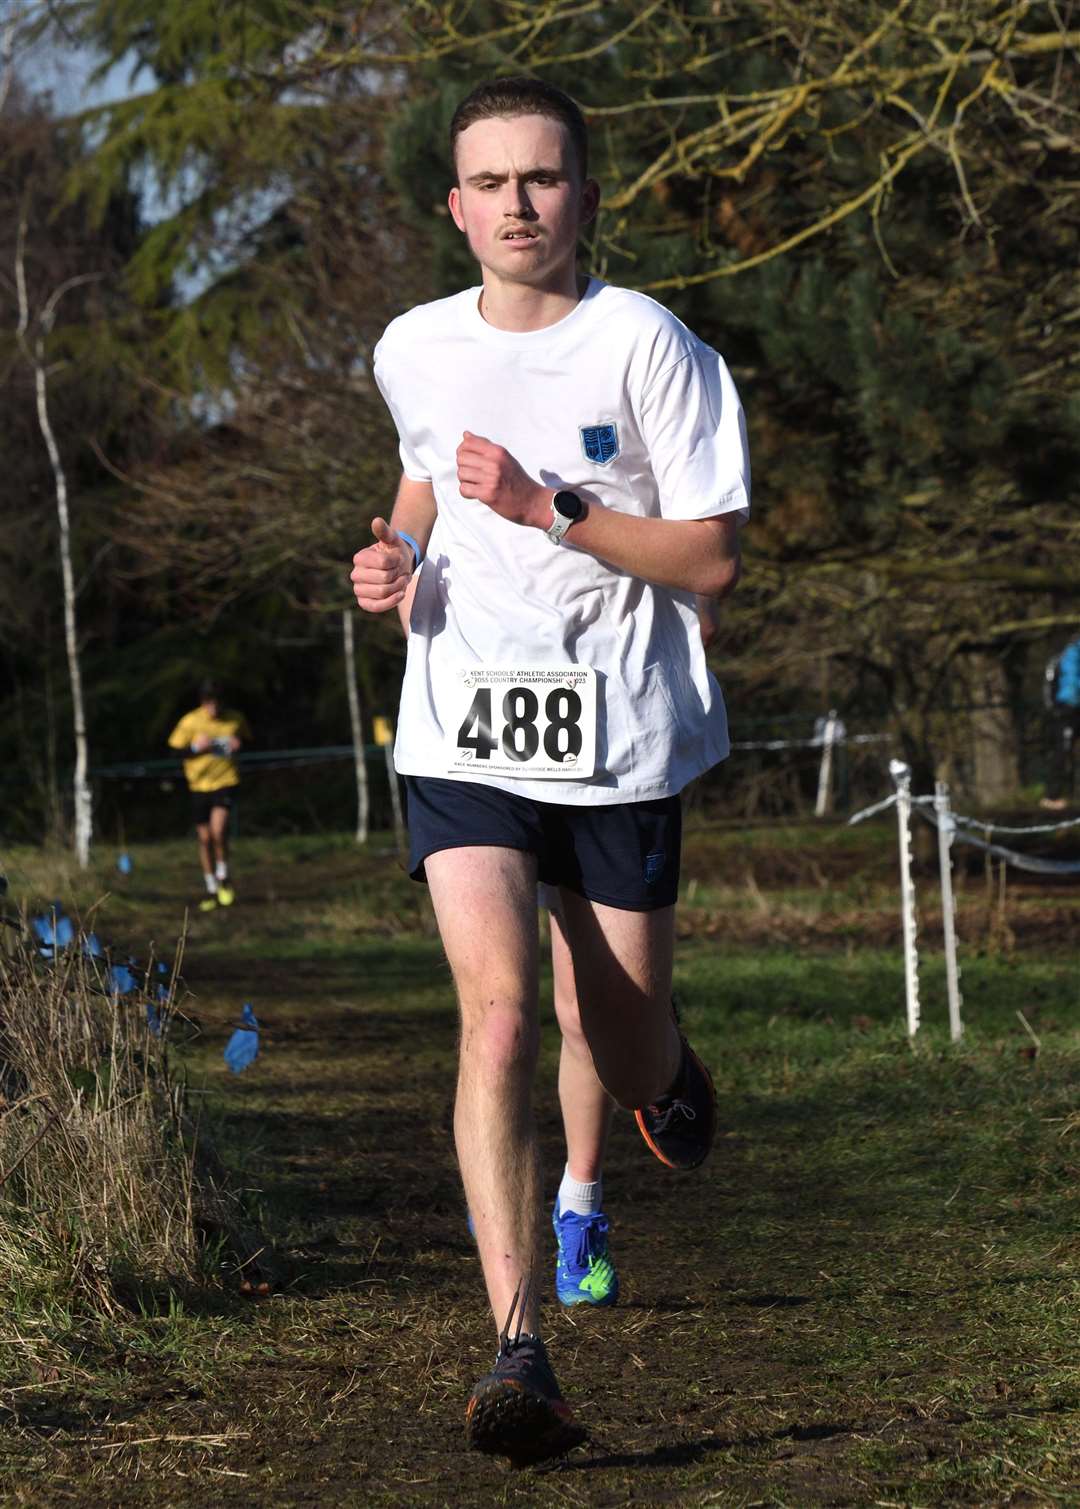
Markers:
point(499, 1041)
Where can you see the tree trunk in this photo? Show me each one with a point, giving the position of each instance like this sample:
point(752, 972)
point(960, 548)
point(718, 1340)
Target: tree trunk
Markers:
point(83, 801)
point(395, 795)
point(995, 746)
point(348, 635)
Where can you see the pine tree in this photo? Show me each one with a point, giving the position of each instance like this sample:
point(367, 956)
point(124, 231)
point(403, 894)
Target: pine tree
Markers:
point(868, 208)
point(867, 205)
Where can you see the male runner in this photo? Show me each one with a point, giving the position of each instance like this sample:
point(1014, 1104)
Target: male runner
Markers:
point(585, 1272)
point(574, 473)
point(211, 735)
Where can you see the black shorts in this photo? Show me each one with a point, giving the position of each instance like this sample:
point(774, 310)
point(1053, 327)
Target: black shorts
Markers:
point(624, 855)
point(203, 801)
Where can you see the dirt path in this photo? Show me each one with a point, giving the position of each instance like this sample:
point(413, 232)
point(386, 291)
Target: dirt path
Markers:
point(845, 1306)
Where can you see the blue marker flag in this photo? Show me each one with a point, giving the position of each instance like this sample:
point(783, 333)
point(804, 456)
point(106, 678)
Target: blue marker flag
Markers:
point(242, 1048)
point(122, 980)
point(53, 928)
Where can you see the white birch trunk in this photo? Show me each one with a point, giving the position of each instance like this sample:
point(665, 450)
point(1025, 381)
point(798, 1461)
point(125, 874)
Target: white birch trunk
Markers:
point(7, 54)
point(35, 355)
point(348, 634)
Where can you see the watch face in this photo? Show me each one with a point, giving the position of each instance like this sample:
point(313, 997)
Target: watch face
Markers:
point(568, 504)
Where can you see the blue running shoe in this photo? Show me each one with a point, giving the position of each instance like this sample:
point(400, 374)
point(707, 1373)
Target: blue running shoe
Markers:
point(584, 1274)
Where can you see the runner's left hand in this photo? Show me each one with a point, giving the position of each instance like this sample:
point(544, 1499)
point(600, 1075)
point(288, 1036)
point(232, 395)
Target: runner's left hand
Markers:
point(490, 474)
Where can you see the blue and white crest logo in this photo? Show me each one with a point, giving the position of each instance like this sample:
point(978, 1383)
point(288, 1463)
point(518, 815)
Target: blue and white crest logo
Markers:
point(600, 442)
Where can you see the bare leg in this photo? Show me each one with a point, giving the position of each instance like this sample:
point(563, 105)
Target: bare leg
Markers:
point(202, 833)
point(219, 834)
point(622, 965)
point(485, 905)
point(586, 1105)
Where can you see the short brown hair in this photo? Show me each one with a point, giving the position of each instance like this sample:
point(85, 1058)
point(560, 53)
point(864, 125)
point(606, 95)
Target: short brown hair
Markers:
point(521, 95)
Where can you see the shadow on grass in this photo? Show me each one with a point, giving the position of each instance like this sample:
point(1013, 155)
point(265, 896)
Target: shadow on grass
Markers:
point(303, 976)
point(933, 1430)
point(689, 1453)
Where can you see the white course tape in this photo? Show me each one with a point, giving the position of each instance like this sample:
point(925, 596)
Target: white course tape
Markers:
point(954, 822)
point(858, 817)
point(815, 743)
point(776, 744)
point(974, 822)
point(1021, 861)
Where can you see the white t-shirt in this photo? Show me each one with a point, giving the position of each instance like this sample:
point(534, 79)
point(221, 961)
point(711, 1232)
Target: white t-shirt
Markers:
point(618, 399)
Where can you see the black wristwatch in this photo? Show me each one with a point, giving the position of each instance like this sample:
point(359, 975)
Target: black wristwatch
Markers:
point(566, 509)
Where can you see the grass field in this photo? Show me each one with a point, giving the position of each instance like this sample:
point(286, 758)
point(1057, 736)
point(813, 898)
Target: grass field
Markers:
point(868, 1296)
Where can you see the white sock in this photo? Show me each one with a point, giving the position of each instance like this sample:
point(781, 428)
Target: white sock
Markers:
point(211, 883)
point(221, 870)
point(582, 1199)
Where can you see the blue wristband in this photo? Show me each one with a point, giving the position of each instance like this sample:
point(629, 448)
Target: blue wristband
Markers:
point(418, 554)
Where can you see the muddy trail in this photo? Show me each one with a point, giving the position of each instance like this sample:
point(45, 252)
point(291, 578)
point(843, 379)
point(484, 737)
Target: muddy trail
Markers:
point(842, 1307)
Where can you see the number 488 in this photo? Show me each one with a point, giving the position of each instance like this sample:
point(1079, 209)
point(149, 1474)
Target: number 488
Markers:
point(520, 738)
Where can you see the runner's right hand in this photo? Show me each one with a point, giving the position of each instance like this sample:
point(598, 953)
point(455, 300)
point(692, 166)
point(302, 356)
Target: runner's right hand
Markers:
point(381, 572)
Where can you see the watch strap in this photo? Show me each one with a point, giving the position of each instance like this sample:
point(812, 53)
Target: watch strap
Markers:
point(560, 522)
point(418, 554)
point(558, 526)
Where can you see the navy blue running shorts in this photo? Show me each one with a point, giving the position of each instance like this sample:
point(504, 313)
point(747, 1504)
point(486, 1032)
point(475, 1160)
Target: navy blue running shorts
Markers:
point(624, 855)
point(203, 802)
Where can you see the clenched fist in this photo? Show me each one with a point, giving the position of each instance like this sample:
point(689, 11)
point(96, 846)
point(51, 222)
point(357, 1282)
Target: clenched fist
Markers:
point(382, 572)
point(490, 474)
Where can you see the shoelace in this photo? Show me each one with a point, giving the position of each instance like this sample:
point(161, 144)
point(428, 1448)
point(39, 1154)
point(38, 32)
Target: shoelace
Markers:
point(525, 1354)
point(591, 1243)
point(517, 1306)
point(663, 1118)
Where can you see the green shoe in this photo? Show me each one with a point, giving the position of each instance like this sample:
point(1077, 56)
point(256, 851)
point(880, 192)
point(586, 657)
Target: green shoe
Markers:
point(584, 1273)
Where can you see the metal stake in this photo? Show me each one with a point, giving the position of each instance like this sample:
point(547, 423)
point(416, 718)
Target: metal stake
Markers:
point(946, 828)
point(901, 775)
point(825, 772)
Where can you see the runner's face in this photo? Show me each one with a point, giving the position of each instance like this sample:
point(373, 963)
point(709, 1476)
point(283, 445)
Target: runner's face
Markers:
point(520, 199)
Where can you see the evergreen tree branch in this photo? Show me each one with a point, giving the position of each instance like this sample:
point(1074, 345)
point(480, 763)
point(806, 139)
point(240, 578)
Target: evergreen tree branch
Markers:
point(818, 227)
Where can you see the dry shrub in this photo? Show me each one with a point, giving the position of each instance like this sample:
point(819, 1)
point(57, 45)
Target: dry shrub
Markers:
point(106, 1197)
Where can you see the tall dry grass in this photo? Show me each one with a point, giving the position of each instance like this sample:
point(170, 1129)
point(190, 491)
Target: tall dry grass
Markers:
point(107, 1198)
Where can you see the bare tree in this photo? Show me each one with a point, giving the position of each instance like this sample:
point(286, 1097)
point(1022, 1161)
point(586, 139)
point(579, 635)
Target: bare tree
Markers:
point(33, 348)
point(7, 53)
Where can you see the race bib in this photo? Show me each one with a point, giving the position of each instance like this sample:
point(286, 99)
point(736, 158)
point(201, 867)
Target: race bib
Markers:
point(530, 723)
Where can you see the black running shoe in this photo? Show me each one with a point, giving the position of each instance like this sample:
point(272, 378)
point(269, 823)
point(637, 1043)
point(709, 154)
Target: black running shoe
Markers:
point(680, 1126)
point(516, 1410)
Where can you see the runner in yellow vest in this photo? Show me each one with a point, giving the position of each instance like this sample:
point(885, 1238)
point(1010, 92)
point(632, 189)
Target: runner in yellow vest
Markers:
point(211, 735)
